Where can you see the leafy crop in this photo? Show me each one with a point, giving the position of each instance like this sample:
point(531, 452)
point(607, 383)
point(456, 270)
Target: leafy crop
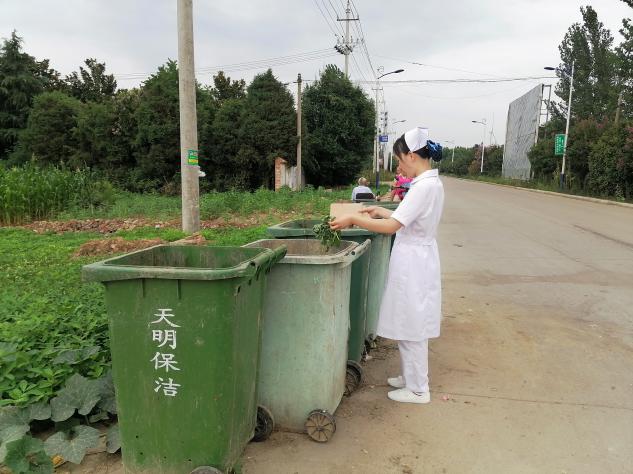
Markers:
point(329, 238)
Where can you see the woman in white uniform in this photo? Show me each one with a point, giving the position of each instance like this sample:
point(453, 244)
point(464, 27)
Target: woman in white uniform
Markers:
point(411, 306)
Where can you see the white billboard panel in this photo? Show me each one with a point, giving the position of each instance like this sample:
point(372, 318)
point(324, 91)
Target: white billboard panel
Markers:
point(521, 133)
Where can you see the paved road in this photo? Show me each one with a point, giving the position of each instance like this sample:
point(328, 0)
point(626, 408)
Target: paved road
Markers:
point(535, 358)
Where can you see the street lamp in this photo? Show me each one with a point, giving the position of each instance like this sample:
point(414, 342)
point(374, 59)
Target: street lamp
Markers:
point(376, 138)
point(453, 155)
point(571, 89)
point(483, 142)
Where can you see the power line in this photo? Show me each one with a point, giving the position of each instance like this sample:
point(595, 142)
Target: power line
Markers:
point(432, 66)
point(464, 81)
point(340, 28)
point(325, 18)
point(249, 65)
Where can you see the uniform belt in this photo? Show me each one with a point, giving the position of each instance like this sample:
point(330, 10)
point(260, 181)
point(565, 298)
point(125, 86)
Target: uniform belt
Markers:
point(417, 241)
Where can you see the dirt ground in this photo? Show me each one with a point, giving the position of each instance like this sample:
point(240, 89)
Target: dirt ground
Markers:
point(533, 372)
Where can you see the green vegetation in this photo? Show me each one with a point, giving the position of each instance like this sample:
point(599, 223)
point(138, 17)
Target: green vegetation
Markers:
point(31, 193)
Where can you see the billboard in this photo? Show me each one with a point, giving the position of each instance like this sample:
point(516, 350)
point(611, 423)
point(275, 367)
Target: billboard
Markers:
point(521, 133)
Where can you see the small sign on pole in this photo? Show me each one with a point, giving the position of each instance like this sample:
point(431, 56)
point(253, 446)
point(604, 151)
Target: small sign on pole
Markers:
point(559, 144)
point(192, 157)
point(384, 138)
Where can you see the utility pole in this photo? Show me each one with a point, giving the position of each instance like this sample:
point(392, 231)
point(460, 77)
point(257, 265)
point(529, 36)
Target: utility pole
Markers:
point(348, 46)
point(376, 132)
point(189, 169)
point(571, 90)
point(299, 173)
point(617, 112)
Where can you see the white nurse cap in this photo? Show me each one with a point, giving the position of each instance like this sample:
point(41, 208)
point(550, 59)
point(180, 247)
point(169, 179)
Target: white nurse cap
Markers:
point(416, 139)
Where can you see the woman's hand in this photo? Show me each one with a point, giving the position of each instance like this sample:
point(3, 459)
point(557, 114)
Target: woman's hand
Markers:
point(375, 212)
point(342, 222)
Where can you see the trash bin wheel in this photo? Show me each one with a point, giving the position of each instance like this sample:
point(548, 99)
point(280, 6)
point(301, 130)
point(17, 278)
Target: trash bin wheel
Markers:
point(206, 470)
point(370, 344)
point(353, 377)
point(320, 426)
point(265, 424)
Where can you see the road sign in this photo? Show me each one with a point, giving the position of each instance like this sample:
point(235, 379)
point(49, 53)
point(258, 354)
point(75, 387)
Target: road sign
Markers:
point(559, 144)
point(384, 138)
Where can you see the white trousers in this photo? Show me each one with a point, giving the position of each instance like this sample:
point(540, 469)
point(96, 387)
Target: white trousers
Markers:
point(414, 356)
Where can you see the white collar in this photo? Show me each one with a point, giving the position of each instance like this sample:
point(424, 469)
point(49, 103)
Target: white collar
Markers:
point(433, 173)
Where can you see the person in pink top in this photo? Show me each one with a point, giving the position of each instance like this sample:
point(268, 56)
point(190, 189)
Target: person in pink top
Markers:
point(399, 190)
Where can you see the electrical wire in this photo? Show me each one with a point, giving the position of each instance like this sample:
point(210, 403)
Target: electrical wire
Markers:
point(325, 18)
point(249, 65)
point(463, 80)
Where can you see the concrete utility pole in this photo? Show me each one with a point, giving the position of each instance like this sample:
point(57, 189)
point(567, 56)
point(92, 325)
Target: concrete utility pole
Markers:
point(299, 173)
point(617, 112)
point(348, 46)
point(189, 169)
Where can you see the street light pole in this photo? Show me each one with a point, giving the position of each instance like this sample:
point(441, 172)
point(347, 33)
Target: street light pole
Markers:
point(483, 143)
point(377, 131)
point(571, 90)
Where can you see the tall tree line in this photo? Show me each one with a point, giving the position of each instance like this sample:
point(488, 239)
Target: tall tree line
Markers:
point(600, 150)
point(83, 120)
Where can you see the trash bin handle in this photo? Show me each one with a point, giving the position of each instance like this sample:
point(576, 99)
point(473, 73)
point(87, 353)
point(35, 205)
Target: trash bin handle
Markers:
point(264, 261)
point(356, 252)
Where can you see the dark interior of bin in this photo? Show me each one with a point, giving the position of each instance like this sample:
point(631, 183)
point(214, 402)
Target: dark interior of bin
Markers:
point(303, 247)
point(300, 224)
point(189, 256)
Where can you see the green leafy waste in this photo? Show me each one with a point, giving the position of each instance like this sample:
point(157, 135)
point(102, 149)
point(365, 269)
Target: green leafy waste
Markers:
point(329, 238)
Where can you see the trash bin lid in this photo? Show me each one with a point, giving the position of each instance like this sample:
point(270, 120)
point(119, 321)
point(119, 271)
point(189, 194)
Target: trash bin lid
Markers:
point(183, 262)
point(307, 251)
point(303, 227)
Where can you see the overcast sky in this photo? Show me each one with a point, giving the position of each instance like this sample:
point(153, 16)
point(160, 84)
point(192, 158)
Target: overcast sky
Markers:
point(454, 39)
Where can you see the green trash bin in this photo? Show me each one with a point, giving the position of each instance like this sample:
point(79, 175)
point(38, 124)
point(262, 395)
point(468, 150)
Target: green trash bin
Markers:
point(304, 338)
point(378, 261)
point(185, 334)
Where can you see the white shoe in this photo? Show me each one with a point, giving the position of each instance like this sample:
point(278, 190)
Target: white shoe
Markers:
point(396, 382)
point(404, 395)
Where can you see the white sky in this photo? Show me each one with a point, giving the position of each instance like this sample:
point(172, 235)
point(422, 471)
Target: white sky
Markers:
point(511, 38)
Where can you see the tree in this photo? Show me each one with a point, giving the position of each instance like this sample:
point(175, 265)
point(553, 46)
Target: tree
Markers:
point(158, 138)
point(20, 82)
point(588, 45)
point(609, 164)
point(220, 144)
point(267, 129)
point(624, 53)
point(582, 137)
point(50, 133)
point(91, 84)
point(225, 89)
point(340, 128)
point(493, 160)
point(459, 163)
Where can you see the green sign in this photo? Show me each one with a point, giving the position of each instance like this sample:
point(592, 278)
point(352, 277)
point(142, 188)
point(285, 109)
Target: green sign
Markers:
point(192, 157)
point(559, 144)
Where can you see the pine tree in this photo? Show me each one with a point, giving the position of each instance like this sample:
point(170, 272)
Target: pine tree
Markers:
point(340, 127)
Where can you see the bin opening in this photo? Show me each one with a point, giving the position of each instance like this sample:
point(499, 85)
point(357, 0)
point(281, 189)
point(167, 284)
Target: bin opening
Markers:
point(300, 224)
point(187, 257)
point(302, 247)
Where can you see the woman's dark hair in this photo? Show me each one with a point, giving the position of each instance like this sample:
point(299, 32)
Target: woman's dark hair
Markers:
point(400, 147)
